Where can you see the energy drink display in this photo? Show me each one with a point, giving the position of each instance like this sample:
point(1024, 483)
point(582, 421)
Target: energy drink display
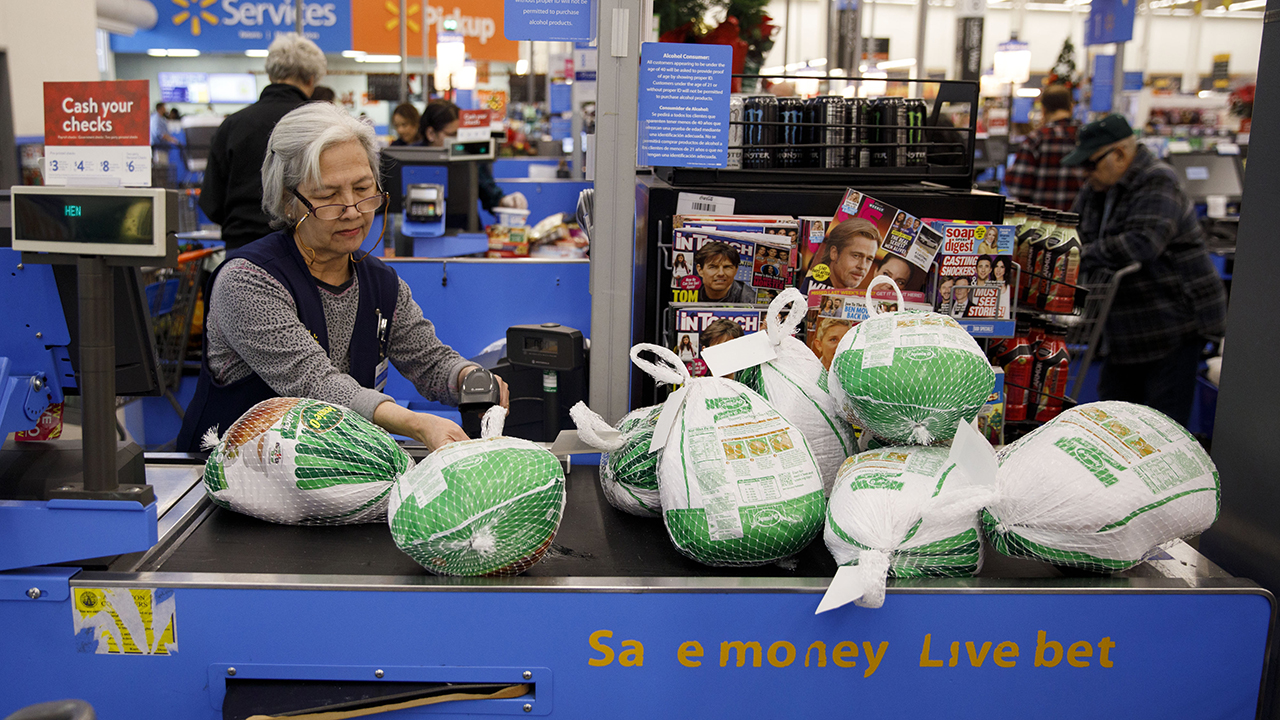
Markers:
point(1062, 263)
point(1033, 285)
point(830, 113)
point(791, 133)
point(1016, 356)
point(759, 131)
point(1028, 230)
point(859, 154)
point(887, 133)
point(734, 160)
point(914, 113)
point(1049, 375)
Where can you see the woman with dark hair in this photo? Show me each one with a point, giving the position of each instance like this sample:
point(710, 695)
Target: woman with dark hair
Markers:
point(404, 120)
point(1000, 274)
point(438, 123)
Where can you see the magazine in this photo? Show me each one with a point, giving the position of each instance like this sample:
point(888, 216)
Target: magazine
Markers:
point(832, 313)
point(975, 278)
point(700, 325)
point(747, 268)
point(780, 225)
point(868, 237)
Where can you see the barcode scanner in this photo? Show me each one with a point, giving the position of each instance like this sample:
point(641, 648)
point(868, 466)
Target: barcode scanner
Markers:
point(479, 391)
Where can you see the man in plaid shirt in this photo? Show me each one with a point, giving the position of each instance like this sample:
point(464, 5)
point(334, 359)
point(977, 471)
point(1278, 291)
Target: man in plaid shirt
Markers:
point(1038, 175)
point(1134, 210)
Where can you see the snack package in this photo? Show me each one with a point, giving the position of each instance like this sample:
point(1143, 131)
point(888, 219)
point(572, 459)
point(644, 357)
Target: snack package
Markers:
point(909, 377)
point(903, 512)
point(737, 481)
point(628, 468)
point(792, 383)
point(303, 462)
point(480, 507)
point(1100, 487)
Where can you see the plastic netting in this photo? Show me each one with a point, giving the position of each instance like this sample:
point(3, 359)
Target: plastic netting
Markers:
point(738, 483)
point(479, 507)
point(628, 469)
point(908, 377)
point(303, 462)
point(1100, 487)
point(893, 513)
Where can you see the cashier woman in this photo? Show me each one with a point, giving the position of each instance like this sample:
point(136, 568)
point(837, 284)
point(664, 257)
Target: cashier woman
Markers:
point(304, 311)
point(438, 125)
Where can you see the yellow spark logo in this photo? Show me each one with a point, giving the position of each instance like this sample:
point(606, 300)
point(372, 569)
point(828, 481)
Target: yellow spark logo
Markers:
point(394, 22)
point(195, 11)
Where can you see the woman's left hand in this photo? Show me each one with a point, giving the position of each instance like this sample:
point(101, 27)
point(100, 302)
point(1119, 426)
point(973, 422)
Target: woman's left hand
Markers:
point(514, 200)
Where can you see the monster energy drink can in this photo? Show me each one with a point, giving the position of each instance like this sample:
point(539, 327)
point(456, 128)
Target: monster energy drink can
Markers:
point(830, 115)
point(791, 133)
point(859, 155)
point(735, 132)
point(887, 132)
point(915, 113)
point(759, 131)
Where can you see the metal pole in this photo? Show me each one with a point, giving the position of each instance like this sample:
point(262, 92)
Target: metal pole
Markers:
point(297, 16)
point(97, 379)
point(530, 86)
point(1117, 81)
point(1191, 75)
point(917, 89)
point(404, 52)
point(613, 241)
point(426, 70)
point(786, 36)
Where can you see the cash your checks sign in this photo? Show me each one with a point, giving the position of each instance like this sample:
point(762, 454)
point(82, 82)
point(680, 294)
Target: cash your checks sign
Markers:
point(375, 27)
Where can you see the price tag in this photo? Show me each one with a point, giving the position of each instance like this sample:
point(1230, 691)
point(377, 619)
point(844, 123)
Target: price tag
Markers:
point(72, 164)
point(690, 204)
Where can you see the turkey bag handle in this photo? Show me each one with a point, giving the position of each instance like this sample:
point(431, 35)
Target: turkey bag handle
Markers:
point(672, 372)
point(795, 303)
point(491, 424)
point(870, 302)
point(592, 429)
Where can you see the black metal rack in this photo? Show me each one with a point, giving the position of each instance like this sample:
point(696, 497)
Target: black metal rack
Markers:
point(958, 175)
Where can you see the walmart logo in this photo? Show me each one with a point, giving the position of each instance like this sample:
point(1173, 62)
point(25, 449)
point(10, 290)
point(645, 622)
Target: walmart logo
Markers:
point(411, 23)
point(194, 10)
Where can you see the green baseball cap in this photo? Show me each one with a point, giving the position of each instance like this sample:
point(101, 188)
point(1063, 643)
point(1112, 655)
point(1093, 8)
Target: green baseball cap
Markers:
point(1097, 135)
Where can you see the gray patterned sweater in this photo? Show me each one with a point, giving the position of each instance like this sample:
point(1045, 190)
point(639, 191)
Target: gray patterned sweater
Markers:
point(253, 326)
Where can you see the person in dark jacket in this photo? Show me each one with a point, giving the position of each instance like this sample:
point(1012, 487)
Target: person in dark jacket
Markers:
point(440, 122)
point(305, 312)
point(231, 194)
point(404, 120)
point(1133, 209)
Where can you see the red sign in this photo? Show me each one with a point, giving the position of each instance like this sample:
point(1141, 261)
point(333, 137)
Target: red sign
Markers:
point(48, 427)
point(97, 113)
point(474, 119)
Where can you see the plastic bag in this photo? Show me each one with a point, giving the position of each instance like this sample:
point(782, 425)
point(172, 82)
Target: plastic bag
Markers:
point(738, 483)
point(1100, 487)
point(793, 385)
point(303, 462)
point(628, 469)
point(479, 507)
point(909, 377)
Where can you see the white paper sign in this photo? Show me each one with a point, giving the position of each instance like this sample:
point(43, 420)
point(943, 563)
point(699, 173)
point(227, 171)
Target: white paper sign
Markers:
point(690, 204)
point(97, 165)
point(739, 354)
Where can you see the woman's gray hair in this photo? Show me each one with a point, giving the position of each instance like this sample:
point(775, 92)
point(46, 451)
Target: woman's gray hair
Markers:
point(293, 154)
point(293, 57)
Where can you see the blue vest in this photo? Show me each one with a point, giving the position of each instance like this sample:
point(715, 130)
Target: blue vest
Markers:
point(277, 253)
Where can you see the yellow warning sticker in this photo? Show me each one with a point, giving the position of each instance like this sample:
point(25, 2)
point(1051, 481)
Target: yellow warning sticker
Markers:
point(125, 621)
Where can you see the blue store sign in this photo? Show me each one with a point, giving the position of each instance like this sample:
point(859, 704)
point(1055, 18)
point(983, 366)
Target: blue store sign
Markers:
point(237, 25)
point(1110, 21)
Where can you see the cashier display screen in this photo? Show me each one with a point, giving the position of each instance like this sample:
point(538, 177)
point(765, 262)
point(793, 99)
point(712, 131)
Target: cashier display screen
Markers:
point(90, 219)
point(548, 346)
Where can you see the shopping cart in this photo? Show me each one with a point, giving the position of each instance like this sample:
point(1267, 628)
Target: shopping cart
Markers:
point(173, 295)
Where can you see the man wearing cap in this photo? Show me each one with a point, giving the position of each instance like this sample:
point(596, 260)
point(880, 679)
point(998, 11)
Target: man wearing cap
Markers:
point(1133, 209)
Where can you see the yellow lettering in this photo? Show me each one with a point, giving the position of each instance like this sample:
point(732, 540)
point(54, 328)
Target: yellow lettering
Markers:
point(975, 658)
point(633, 656)
point(822, 653)
point(741, 647)
point(600, 648)
point(688, 651)
point(873, 656)
point(1079, 653)
point(1042, 645)
point(843, 653)
point(1004, 651)
point(955, 654)
point(1104, 647)
point(787, 659)
point(925, 660)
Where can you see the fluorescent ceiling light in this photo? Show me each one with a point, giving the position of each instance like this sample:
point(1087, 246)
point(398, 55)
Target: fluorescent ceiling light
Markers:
point(1249, 5)
point(818, 62)
point(157, 52)
point(183, 52)
point(353, 53)
point(896, 64)
point(792, 67)
point(255, 53)
point(773, 70)
point(522, 67)
point(1029, 92)
point(378, 59)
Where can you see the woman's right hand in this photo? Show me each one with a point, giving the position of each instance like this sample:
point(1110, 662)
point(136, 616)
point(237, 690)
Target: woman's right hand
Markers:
point(430, 430)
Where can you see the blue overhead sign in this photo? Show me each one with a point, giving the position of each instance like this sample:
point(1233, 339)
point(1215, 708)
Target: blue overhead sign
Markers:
point(239, 25)
point(1110, 21)
point(549, 19)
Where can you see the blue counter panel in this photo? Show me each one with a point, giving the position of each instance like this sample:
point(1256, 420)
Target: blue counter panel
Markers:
point(676, 653)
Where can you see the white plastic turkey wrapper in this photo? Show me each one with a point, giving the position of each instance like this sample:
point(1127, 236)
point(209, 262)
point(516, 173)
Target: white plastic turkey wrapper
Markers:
point(738, 483)
point(909, 377)
point(906, 512)
point(298, 461)
point(628, 468)
point(1100, 487)
point(792, 383)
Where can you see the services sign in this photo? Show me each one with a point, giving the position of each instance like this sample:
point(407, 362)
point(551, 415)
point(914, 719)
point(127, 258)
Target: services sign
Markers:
point(97, 133)
point(239, 25)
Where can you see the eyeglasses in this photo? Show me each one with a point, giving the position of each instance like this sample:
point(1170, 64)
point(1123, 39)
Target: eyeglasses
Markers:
point(337, 210)
point(1088, 165)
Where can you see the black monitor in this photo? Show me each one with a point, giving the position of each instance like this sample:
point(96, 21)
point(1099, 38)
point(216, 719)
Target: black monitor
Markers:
point(462, 192)
point(1205, 174)
point(137, 362)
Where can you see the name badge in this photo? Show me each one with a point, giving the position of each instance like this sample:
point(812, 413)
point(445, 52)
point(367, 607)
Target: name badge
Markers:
point(380, 375)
